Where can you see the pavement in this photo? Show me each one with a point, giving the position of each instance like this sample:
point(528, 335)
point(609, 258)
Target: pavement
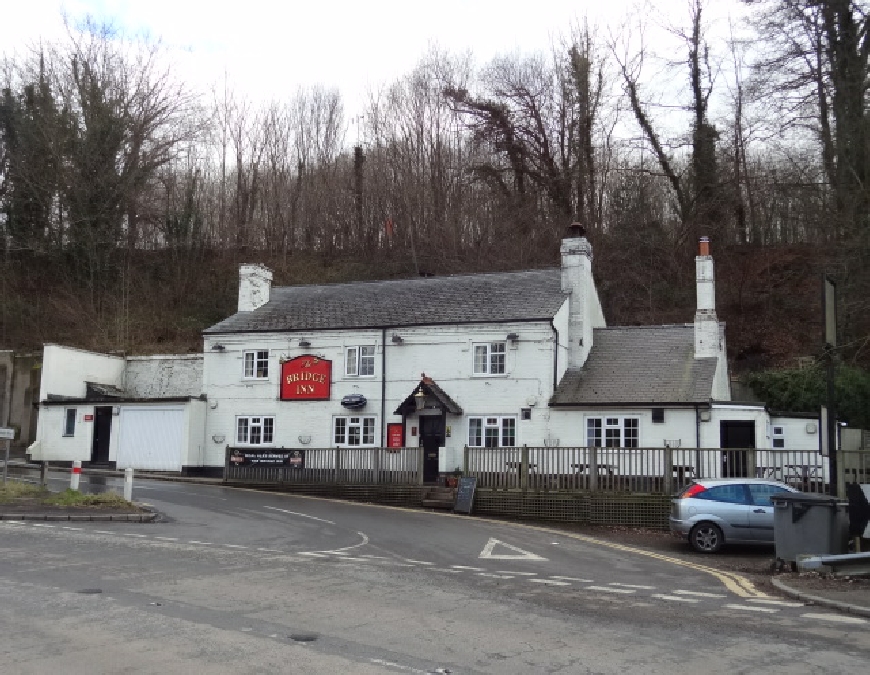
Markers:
point(846, 594)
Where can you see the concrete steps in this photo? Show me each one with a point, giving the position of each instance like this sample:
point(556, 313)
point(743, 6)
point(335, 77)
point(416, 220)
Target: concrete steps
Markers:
point(439, 498)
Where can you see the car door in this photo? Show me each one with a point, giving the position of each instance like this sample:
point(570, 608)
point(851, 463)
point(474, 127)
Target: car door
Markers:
point(728, 507)
point(761, 510)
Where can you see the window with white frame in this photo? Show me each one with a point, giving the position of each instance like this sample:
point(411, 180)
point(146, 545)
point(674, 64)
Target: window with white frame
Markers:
point(353, 430)
point(489, 358)
point(778, 437)
point(496, 431)
point(612, 432)
point(257, 364)
point(69, 422)
point(359, 361)
point(255, 430)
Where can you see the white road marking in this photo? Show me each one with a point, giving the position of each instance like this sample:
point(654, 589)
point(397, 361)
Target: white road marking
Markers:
point(314, 555)
point(466, 567)
point(138, 536)
point(418, 562)
point(301, 515)
point(41, 525)
point(701, 595)
point(748, 608)
point(610, 589)
point(780, 603)
point(167, 538)
point(520, 553)
point(77, 529)
point(375, 557)
point(523, 574)
point(203, 543)
point(234, 546)
point(339, 551)
point(549, 582)
point(398, 666)
point(641, 588)
point(270, 550)
point(579, 581)
point(834, 617)
point(495, 576)
point(105, 532)
point(675, 598)
point(444, 569)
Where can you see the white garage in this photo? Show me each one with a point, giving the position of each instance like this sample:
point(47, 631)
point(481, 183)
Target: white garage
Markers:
point(151, 438)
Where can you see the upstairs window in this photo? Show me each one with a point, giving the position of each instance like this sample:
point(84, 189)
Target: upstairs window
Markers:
point(257, 365)
point(255, 430)
point(69, 422)
point(359, 361)
point(489, 358)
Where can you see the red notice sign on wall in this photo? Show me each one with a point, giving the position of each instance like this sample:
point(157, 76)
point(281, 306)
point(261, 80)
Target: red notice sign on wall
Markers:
point(395, 435)
point(306, 378)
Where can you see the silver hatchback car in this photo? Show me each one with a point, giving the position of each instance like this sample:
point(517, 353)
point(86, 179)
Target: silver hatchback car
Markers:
point(713, 512)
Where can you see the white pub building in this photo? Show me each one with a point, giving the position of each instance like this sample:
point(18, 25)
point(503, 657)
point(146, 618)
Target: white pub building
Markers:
point(495, 360)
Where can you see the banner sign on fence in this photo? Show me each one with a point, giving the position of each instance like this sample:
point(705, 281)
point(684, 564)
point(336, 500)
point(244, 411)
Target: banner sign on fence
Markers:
point(306, 378)
point(295, 459)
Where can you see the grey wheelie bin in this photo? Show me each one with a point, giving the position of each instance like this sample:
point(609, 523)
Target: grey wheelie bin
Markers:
point(809, 524)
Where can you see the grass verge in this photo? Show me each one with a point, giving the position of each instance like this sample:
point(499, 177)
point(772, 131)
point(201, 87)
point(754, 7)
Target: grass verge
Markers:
point(17, 492)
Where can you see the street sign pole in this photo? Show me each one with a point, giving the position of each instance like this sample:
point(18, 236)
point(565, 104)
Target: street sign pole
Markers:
point(7, 434)
point(829, 311)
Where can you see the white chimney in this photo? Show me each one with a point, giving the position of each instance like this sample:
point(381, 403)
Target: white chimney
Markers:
point(255, 286)
point(707, 340)
point(584, 307)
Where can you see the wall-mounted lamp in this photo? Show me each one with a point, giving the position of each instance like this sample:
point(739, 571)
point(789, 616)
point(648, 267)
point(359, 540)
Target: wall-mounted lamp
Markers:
point(420, 399)
point(218, 438)
point(513, 337)
point(304, 343)
point(218, 347)
point(397, 339)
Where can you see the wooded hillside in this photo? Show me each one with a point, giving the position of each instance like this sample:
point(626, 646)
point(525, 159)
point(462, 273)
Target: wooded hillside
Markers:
point(127, 200)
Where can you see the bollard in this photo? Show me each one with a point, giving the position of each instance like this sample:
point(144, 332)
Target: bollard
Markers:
point(74, 476)
point(128, 484)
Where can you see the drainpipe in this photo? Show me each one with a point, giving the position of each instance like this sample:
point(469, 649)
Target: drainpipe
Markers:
point(555, 354)
point(384, 386)
point(698, 441)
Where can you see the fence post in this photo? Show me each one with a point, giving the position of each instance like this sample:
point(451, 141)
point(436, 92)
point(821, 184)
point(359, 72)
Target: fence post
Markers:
point(338, 465)
point(751, 463)
point(668, 477)
point(377, 465)
point(593, 468)
point(420, 462)
point(465, 461)
point(524, 468)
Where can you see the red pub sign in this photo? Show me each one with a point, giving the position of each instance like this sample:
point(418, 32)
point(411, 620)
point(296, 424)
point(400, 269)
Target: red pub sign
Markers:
point(306, 378)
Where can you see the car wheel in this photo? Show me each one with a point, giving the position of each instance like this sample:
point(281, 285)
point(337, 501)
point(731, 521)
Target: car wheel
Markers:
point(706, 538)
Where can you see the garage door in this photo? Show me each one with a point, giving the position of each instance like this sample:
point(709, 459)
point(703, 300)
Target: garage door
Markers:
point(151, 438)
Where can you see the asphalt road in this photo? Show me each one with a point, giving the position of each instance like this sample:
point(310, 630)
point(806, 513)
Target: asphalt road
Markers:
point(241, 581)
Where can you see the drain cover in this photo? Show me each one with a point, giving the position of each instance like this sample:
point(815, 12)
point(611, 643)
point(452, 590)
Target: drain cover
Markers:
point(303, 637)
point(90, 591)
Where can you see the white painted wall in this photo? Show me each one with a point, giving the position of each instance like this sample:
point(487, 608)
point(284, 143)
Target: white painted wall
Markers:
point(163, 376)
point(444, 353)
point(65, 370)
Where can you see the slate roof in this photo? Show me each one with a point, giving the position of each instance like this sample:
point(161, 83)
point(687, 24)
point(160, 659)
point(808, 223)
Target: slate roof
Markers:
point(533, 295)
point(639, 365)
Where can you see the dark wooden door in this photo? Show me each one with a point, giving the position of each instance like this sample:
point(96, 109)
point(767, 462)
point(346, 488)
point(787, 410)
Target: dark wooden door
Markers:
point(431, 438)
point(102, 434)
point(735, 437)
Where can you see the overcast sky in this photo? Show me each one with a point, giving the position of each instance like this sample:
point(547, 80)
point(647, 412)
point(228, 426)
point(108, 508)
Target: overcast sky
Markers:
point(269, 48)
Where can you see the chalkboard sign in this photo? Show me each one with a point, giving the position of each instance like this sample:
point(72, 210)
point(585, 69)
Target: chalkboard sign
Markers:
point(465, 495)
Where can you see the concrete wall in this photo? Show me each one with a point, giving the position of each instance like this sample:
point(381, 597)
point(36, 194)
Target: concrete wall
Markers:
point(164, 376)
point(19, 390)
